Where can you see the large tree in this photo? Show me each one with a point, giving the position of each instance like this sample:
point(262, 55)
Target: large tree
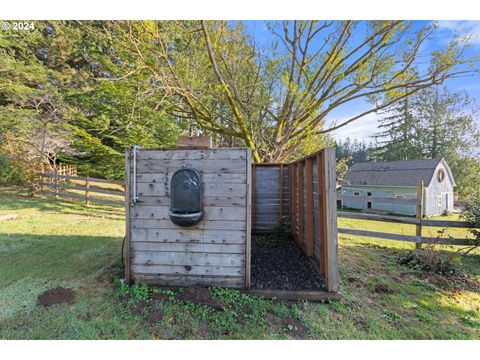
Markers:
point(447, 129)
point(62, 96)
point(398, 138)
point(33, 112)
point(272, 99)
point(436, 123)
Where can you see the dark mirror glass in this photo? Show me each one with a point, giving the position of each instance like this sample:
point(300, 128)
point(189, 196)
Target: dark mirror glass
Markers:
point(186, 197)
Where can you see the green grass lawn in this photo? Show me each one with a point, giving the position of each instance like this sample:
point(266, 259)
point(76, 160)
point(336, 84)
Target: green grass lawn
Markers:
point(59, 243)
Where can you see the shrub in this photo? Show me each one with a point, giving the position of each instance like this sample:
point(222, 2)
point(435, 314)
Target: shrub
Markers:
point(428, 259)
point(134, 293)
point(280, 234)
point(472, 217)
point(446, 212)
point(12, 173)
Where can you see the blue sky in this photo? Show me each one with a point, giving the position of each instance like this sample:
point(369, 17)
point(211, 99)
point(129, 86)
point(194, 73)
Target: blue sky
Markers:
point(364, 128)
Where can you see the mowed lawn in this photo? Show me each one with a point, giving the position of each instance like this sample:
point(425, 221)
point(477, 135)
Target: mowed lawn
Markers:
point(60, 243)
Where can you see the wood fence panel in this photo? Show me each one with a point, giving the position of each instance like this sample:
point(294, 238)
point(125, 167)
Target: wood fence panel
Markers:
point(331, 256)
point(128, 229)
point(270, 196)
point(313, 212)
point(309, 210)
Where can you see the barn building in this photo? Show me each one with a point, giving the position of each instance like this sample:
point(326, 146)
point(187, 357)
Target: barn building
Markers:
point(399, 179)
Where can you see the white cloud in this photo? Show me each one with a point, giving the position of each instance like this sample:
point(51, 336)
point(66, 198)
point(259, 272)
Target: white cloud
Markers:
point(470, 28)
point(362, 129)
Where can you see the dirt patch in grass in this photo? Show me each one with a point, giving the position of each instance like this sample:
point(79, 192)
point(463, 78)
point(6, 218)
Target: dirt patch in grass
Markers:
point(201, 296)
point(204, 329)
point(244, 316)
point(292, 326)
point(383, 289)
point(138, 308)
point(155, 317)
point(58, 295)
point(457, 282)
point(108, 275)
point(159, 297)
point(282, 266)
point(8, 216)
point(86, 316)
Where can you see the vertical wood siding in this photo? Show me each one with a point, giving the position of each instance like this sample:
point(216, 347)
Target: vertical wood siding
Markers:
point(213, 252)
point(313, 212)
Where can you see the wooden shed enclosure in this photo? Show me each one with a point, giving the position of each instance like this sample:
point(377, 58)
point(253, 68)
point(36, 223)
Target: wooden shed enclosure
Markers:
point(213, 252)
point(239, 198)
point(303, 192)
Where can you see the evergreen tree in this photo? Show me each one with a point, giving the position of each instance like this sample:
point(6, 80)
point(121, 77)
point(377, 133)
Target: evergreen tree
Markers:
point(64, 95)
point(446, 123)
point(435, 123)
point(355, 151)
point(398, 137)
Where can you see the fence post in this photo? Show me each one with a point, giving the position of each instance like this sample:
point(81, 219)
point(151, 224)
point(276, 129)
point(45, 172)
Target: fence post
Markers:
point(281, 194)
point(419, 213)
point(87, 186)
point(253, 221)
point(55, 182)
point(309, 206)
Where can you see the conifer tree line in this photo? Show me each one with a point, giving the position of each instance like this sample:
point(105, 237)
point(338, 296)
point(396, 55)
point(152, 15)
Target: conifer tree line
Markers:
point(431, 124)
point(83, 91)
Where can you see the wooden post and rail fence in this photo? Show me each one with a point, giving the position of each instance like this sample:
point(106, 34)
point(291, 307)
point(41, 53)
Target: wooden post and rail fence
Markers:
point(268, 208)
point(418, 221)
point(81, 188)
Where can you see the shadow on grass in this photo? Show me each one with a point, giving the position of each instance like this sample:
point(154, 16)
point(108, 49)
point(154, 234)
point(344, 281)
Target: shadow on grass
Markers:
point(14, 199)
point(56, 257)
point(412, 303)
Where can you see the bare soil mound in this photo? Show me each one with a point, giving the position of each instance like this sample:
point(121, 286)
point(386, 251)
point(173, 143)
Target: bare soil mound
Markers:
point(58, 295)
point(201, 296)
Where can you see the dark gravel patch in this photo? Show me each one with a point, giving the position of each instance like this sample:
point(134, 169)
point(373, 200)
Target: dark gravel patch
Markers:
point(282, 266)
point(58, 295)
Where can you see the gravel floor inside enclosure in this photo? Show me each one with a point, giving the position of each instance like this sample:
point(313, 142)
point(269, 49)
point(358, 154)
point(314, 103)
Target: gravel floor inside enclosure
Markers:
point(282, 266)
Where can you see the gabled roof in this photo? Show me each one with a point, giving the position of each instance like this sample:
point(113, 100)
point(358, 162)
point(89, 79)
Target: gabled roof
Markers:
point(394, 173)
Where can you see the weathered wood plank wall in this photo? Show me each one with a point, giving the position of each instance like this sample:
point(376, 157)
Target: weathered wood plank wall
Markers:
point(270, 197)
point(213, 252)
point(313, 212)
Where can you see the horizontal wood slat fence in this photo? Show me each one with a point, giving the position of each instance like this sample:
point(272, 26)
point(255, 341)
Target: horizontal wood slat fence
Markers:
point(270, 196)
point(418, 221)
point(54, 184)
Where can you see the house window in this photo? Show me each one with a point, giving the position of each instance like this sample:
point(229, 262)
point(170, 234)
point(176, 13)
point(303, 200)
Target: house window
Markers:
point(400, 196)
point(356, 193)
